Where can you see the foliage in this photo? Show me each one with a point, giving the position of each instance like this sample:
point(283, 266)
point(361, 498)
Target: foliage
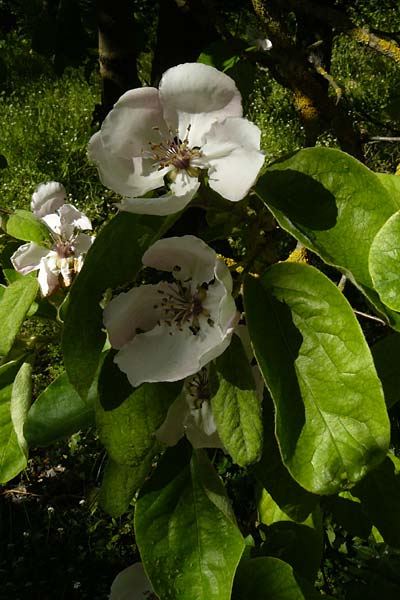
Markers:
point(303, 500)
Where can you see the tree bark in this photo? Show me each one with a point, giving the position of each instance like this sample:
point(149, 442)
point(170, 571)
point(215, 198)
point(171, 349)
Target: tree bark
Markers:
point(117, 51)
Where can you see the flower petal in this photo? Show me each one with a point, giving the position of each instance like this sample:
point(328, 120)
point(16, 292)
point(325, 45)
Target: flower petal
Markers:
point(197, 94)
point(27, 258)
point(201, 429)
point(130, 311)
point(49, 274)
point(172, 429)
point(232, 150)
point(69, 215)
point(131, 584)
point(168, 204)
point(82, 243)
point(126, 176)
point(47, 198)
point(135, 121)
point(194, 258)
point(158, 356)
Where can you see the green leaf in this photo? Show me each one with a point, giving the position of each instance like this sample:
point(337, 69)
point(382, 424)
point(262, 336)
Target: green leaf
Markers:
point(299, 544)
point(379, 493)
point(289, 496)
point(58, 412)
point(14, 305)
point(392, 185)
point(119, 484)
point(384, 262)
point(268, 578)
point(114, 259)
point(331, 421)
point(386, 354)
point(15, 397)
point(236, 406)
point(187, 540)
point(127, 417)
point(335, 206)
point(24, 225)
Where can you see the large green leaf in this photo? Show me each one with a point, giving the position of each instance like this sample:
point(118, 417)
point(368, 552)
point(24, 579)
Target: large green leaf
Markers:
point(15, 397)
point(187, 538)
point(114, 259)
point(384, 262)
point(268, 578)
point(14, 305)
point(335, 206)
point(24, 225)
point(299, 544)
point(386, 355)
point(331, 421)
point(236, 406)
point(58, 412)
point(379, 493)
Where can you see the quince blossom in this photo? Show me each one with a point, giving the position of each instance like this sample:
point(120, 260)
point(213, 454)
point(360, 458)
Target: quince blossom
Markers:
point(169, 331)
point(191, 415)
point(192, 124)
point(60, 263)
point(132, 584)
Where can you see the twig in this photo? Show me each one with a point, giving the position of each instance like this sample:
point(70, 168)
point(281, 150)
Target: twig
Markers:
point(380, 138)
point(367, 316)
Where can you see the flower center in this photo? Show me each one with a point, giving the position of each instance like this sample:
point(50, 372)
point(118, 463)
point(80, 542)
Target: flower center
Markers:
point(177, 154)
point(198, 388)
point(64, 248)
point(180, 306)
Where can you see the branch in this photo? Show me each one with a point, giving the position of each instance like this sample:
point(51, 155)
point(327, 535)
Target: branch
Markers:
point(311, 99)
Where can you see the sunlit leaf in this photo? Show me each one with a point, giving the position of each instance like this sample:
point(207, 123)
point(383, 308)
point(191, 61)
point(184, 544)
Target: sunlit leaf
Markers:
point(15, 397)
point(188, 542)
point(24, 225)
point(14, 306)
point(331, 421)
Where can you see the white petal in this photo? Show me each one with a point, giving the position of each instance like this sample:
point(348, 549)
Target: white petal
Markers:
point(198, 95)
point(195, 259)
point(132, 124)
point(49, 274)
point(159, 356)
point(70, 216)
point(169, 354)
point(130, 311)
point(172, 429)
point(201, 429)
point(232, 151)
point(126, 176)
point(167, 204)
point(47, 198)
point(82, 243)
point(131, 584)
point(27, 258)
point(53, 222)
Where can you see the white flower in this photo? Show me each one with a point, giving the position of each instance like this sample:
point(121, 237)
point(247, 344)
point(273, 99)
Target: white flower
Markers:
point(61, 262)
point(132, 584)
point(191, 415)
point(192, 123)
point(168, 331)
